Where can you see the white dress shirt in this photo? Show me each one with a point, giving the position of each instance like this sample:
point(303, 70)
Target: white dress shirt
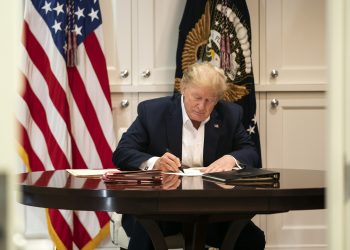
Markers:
point(192, 140)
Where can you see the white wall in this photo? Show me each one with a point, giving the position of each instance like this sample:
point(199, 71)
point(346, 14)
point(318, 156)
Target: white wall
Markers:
point(338, 200)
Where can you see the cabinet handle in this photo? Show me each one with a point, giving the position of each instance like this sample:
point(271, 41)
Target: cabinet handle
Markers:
point(124, 73)
point(274, 73)
point(124, 103)
point(274, 103)
point(146, 73)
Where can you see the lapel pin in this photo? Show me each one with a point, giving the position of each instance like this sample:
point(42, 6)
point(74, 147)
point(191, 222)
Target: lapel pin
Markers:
point(216, 125)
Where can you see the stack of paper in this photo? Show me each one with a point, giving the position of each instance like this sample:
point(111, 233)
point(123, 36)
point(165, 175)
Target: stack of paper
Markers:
point(133, 177)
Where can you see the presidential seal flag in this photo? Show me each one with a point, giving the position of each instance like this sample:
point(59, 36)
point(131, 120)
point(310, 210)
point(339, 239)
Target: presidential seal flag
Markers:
point(219, 31)
point(64, 117)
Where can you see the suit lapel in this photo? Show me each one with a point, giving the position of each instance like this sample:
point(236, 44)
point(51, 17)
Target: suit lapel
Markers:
point(174, 128)
point(211, 138)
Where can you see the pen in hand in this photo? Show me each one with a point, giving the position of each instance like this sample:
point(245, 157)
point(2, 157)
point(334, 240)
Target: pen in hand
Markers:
point(179, 168)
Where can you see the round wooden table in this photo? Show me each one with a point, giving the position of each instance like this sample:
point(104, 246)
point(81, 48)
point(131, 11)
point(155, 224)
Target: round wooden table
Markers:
point(191, 200)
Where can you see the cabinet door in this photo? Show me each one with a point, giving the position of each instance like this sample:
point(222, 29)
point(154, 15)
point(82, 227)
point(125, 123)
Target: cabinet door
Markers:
point(295, 42)
point(117, 43)
point(295, 133)
point(296, 139)
point(124, 109)
point(157, 34)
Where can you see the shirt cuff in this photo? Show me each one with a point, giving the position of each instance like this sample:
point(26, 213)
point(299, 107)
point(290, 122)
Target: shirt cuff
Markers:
point(149, 164)
point(237, 166)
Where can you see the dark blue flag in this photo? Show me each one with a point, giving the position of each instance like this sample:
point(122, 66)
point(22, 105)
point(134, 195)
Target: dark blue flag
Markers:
point(219, 31)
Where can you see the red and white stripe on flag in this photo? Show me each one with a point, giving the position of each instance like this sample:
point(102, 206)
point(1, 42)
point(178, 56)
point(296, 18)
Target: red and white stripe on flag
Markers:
point(64, 117)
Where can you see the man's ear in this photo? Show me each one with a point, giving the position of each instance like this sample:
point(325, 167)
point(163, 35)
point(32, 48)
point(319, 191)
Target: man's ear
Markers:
point(182, 89)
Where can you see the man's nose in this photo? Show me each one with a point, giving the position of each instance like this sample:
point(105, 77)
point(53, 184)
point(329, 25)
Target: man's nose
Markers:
point(202, 104)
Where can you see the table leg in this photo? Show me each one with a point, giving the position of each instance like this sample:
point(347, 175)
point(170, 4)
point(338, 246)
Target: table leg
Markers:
point(195, 234)
point(154, 233)
point(232, 234)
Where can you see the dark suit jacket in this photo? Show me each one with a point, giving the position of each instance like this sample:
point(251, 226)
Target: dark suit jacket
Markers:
point(158, 128)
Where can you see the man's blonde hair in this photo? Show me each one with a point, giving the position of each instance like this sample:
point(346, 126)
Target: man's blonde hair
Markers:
point(205, 75)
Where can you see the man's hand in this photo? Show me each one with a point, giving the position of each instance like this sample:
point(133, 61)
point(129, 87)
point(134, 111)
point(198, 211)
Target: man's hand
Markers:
point(225, 163)
point(167, 162)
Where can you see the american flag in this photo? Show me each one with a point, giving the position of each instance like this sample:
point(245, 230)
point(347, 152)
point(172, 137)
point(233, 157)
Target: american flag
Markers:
point(64, 117)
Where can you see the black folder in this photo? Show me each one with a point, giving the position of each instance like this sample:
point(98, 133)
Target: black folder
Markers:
point(246, 175)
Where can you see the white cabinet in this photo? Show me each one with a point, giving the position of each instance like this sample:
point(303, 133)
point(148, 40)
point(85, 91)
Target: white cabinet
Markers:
point(295, 139)
point(158, 27)
point(299, 230)
point(293, 109)
point(117, 28)
point(295, 130)
point(294, 42)
point(124, 108)
point(140, 46)
point(141, 42)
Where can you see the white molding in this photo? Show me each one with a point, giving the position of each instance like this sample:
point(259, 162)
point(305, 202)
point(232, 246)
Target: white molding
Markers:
point(38, 244)
point(291, 87)
point(258, 88)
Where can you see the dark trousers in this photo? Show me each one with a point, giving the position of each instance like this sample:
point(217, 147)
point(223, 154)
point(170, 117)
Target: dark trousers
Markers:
point(250, 238)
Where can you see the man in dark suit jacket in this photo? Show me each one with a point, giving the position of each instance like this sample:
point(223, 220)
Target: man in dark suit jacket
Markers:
point(195, 128)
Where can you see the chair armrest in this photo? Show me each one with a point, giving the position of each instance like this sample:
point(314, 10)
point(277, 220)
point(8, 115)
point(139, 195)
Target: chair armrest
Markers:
point(118, 234)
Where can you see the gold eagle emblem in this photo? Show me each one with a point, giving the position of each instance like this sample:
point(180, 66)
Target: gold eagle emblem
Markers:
point(197, 38)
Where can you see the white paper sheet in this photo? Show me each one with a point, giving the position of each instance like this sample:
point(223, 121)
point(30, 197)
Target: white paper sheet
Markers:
point(188, 172)
point(90, 172)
